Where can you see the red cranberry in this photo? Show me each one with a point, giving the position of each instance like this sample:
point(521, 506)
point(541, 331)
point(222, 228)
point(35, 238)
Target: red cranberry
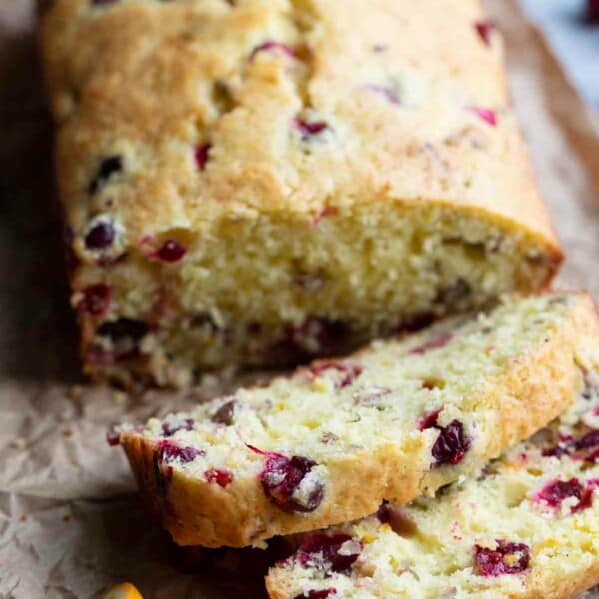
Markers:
point(169, 451)
point(484, 30)
point(593, 457)
point(221, 477)
point(567, 444)
point(492, 562)
point(555, 492)
point(322, 551)
point(100, 236)
point(586, 500)
point(430, 420)
point(125, 334)
point(317, 594)
point(349, 372)
point(308, 129)
point(96, 299)
point(486, 114)
point(556, 451)
point(113, 438)
point(170, 251)
point(169, 429)
point(225, 414)
point(326, 212)
point(587, 441)
point(110, 165)
point(201, 156)
point(436, 343)
point(276, 46)
point(281, 479)
point(451, 445)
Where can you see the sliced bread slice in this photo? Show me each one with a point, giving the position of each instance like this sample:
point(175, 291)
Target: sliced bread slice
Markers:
point(527, 527)
point(394, 421)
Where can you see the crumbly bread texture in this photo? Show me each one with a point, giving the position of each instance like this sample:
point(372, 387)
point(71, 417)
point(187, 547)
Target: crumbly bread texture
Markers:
point(262, 181)
point(394, 421)
point(527, 527)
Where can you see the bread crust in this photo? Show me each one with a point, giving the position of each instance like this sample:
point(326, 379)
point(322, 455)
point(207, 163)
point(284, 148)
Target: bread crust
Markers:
point(153, 81)
point(535, 391)
point(91, 51)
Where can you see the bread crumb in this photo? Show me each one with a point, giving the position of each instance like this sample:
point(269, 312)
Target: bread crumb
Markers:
point(119, 397)
point(76, 392)
point(20, 443)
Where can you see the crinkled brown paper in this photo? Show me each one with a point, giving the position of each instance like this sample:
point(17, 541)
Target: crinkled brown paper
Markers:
point(70, 522)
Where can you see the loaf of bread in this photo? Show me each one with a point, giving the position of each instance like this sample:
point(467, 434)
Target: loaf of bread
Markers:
point(526, 528)
point(266, 181)
point(394, 421)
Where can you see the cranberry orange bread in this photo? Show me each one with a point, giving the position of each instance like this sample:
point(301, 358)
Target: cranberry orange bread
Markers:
point(527, 527)
point(261, 181)
point(394, 421)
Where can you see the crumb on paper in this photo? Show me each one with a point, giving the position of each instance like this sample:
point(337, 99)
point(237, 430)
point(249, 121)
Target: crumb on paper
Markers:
point(119, 397)
point(20, 443)
point(76, 392)
point(209, 380)
point(260, 545)
point(23, 518)
point(67, 432)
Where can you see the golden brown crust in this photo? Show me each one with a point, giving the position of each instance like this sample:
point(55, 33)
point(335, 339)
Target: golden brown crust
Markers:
point(564, 587)
point(155, 99)
point(536, 390)
point(396, 88)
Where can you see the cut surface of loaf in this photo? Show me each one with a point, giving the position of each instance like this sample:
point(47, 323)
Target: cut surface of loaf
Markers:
point(527, 527)
point(396, 420)
point(267, 181)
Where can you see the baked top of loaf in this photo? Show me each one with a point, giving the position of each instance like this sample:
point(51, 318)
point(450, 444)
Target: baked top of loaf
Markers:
point(173, 115)
point(526, 527)
point(326, 444)
point(261, 182)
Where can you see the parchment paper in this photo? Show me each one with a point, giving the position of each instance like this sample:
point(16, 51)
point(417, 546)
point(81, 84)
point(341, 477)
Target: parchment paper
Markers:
point(70, 522)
